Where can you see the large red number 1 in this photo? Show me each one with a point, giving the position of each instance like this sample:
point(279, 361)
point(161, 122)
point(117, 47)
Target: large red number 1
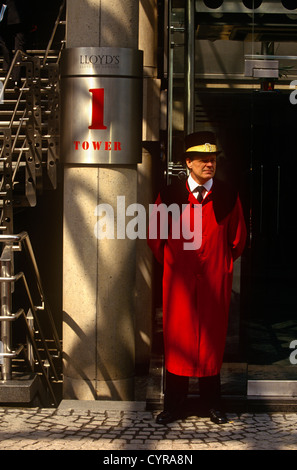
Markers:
point(97, 108)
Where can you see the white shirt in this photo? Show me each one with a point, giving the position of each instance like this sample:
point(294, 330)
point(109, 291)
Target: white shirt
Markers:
point(193, 184)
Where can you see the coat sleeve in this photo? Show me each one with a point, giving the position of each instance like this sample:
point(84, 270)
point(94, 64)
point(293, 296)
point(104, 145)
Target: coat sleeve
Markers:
point(237, 230)
point(155, 240)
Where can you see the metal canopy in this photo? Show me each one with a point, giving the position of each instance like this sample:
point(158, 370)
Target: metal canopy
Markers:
point(233, 20)
point(238, 6)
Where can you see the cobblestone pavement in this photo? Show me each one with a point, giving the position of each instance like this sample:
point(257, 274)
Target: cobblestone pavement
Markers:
point(83, 426)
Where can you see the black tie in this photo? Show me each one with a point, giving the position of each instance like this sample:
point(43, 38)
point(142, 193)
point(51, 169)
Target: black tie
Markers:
point(200, 190)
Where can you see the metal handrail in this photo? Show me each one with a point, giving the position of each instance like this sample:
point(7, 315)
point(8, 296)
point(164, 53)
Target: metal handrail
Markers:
point(20, 238)
point(57, 22)
point(21, 120)
point(16, 56)
point(12, 279)
point(24, 57)
point(13, 354)
point(13, 243)
point(17, 242)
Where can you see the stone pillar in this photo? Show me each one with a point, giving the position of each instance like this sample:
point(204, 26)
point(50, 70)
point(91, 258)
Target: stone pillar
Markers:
point(98, 275)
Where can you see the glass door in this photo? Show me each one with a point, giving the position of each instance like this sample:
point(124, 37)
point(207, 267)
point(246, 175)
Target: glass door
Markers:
point(245, 68)
point(272, 318)
point(271, 322)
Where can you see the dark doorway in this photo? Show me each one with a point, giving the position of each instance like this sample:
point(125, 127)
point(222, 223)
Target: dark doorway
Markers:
point(272, 322)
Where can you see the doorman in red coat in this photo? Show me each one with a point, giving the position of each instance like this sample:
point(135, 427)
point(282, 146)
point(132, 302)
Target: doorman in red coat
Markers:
point(197, 274)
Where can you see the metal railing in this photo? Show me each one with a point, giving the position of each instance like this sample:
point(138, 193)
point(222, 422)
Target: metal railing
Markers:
point(31, 135)
point(57, 22)
point(8, 279)
point(30, 143)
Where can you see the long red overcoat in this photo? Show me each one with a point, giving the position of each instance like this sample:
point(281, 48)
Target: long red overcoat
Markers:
point(197, 283)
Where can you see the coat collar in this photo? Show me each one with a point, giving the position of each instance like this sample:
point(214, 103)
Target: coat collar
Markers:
point(223, 196)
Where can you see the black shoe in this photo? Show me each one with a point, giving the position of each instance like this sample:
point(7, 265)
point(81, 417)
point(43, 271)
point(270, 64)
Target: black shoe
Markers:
point(165, 417)
point(217, 416)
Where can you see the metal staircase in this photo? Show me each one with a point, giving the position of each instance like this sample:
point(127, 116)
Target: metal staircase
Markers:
point(29, 159)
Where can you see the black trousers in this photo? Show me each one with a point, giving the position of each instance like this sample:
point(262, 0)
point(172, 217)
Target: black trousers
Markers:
point(176, 390)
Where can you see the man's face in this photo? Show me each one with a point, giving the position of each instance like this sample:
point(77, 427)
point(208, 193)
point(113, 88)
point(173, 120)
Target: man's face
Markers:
point(202, 168)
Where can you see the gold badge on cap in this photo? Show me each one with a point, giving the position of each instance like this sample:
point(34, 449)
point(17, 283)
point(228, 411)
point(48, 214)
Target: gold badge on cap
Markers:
point(205, 148)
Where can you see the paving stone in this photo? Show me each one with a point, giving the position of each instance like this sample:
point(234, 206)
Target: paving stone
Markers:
point(120, 429)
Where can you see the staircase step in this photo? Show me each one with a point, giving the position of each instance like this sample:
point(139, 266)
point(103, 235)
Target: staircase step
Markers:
point(21, 390)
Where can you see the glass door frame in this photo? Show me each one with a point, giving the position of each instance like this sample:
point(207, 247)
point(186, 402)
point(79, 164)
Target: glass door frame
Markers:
point(260, 388)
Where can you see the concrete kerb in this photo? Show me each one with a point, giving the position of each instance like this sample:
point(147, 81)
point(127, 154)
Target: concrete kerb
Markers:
point(101, 405)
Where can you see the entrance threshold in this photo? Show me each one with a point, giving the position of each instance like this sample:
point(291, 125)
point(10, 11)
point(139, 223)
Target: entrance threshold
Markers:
point(272, 388)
